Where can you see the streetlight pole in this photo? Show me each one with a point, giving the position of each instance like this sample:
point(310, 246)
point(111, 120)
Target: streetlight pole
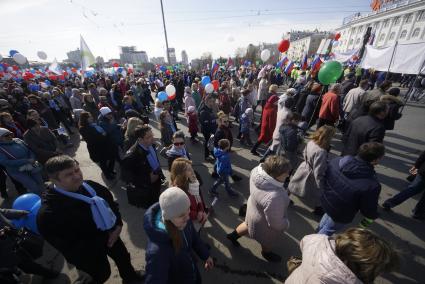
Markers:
point(165, 32)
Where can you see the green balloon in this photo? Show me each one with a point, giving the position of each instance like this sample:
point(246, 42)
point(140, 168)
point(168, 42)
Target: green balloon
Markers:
point(330, 72)
point(278, 70)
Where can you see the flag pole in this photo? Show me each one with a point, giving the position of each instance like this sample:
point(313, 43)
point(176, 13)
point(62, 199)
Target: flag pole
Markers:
point(391, 60)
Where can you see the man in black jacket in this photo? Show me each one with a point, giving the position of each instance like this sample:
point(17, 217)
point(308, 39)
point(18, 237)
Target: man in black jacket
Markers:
point(416, 187)
point(368, 128)
point(208, 121)
point(140, 165)
point(69, 224)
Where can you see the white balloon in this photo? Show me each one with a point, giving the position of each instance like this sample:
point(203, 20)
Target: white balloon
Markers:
point(42, 55)
point(265, 54)
point(9, 69)
point(209, 88)
point(19, 58)
point(124, 73)
point(170, 90)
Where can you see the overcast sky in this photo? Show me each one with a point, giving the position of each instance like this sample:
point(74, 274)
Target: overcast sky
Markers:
point(218, 26)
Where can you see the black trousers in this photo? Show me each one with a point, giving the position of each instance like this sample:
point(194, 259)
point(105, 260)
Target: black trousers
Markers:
point(97, 265)
point(107, 165)
point(18, 186)
point(207, 136)
point(321, 122)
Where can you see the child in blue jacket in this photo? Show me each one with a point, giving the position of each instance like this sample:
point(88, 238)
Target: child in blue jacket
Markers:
point(224, 168)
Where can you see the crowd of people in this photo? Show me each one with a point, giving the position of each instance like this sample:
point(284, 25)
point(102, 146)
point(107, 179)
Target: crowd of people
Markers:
point(115, 116)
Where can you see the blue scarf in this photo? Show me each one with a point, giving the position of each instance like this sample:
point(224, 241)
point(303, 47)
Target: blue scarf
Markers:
point(99, 129)
point(152, 158)
point(103, 216)
point(54, 105)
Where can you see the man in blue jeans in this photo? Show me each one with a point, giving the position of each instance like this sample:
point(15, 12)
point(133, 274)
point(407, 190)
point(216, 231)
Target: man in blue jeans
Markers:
point(351, 186)
point(417, 186)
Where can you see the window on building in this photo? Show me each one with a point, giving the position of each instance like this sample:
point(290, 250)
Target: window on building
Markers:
point(351, 41)
point(392, 35)
point(360, 29)
point(415, 33)
point(386, 23)
point(421, 16)
point(408, 18)
point(354, 30)
point(381, 37)
point(358, 41)
point(403, 34)
point(396, 21)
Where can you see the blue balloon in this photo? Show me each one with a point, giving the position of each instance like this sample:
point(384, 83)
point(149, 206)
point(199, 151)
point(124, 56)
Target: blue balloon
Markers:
point(25, 201)
point(163, 68)
point(1, 68)
point(162, 96)
point(13, 52)
point(119, 70)
point(30, 220)
point(205, 80)
point(47, 82)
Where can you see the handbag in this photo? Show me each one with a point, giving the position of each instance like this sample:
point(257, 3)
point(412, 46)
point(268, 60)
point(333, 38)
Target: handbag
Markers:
point(297, 185)
point(139, 197)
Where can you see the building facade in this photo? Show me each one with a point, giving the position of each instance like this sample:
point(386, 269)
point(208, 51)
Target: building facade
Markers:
point(172, 55)
point(74, 56)
point(391, 21)
point(129, 54)
point(307, 44)
point(158, 60)
point(185, 59)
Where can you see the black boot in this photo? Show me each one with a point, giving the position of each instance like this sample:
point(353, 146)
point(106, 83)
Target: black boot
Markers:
point(271, 257)
point(233, 237)
point(254, 149)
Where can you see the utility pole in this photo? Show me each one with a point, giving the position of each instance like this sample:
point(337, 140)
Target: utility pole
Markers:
point(165, 32)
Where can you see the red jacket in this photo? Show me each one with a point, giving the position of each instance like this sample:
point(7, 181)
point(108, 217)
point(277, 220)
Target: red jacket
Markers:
point(193, 123)
point(195, 206)
point(268, 122)
point(329, 109)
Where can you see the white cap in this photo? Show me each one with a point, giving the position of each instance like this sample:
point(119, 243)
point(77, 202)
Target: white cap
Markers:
point(105, 110)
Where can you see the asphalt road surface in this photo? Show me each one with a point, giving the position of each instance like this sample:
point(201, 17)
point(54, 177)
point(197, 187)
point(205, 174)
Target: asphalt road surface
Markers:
point(245, 264)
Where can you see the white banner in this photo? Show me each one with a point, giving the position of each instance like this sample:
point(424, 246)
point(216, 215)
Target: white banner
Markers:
point(344, 56)
point(407, 59)
point(378, 59)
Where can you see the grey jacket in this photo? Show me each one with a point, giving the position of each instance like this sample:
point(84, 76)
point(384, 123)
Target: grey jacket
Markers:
point(266, 214)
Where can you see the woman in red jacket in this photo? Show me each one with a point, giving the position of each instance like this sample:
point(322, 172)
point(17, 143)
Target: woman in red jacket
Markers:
point(268, 123)
point(183, 176)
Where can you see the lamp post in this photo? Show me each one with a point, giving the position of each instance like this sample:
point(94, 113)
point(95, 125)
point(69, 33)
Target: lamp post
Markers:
point(165, 32)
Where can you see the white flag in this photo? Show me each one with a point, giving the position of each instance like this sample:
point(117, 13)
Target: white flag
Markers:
point(55, 68)
point(87, 57)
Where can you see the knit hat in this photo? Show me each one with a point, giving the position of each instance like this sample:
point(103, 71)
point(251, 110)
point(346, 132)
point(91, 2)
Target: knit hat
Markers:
point(191, 109)
point(291, 92)
point(4, 131)
point(105, 110)
point(173, 202)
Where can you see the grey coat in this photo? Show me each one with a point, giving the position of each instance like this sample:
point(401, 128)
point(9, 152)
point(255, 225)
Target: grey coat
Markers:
point(266, 214)
point(308, 180)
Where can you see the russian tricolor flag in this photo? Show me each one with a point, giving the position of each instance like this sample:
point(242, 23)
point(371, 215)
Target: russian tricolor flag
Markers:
point(282, 62)
point(315, 64)
point(214, 69)
point(289, 67)
point(304, 64)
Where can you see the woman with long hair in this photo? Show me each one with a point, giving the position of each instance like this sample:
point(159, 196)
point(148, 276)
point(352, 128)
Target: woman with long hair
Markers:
point(172, 240)
point(308, 180)
point(129, 136)
point(184, 177)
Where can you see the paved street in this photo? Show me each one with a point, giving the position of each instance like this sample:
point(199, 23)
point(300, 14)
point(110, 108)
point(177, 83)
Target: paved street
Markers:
point(245, 264)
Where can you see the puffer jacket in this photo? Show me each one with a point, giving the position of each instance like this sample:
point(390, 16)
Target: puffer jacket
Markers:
point(163, 264)
point(223, 165)
point(351, 186)
point(320, 265)
point(266, 215)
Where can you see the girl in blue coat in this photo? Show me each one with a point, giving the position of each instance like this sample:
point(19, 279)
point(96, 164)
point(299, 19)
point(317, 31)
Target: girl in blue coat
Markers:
point(171, 239)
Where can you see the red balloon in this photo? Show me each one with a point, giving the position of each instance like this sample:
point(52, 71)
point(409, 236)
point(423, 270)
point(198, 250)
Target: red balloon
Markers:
point(115, 64)
point(16, 68)
point(172, 97)
point(215, 84)
point(283, 45)
point(337, 36)
point(74, 70)
point(168, 72)
point(65, 73)
point(53, 77)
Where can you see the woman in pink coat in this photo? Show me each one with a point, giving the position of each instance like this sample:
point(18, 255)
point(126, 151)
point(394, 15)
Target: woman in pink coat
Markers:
point(354, 257)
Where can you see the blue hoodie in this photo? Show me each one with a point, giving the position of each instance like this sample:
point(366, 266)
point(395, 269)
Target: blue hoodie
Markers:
point(223, 165)
point(351, 185)
point(163, 264)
